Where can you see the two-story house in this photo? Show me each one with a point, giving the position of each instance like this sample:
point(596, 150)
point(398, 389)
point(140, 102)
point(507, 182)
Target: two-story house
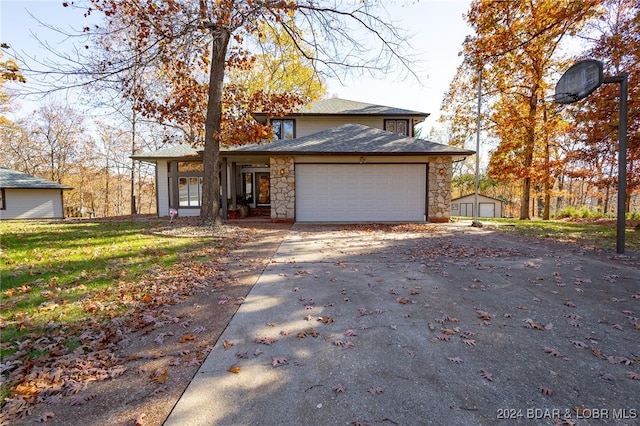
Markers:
point(331, 161)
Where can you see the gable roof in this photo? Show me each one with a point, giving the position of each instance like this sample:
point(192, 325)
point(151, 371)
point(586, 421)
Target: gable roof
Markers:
point(173, 152)
point(17, 180)
point(341, 107)
point(350, 139)
point(479, 195)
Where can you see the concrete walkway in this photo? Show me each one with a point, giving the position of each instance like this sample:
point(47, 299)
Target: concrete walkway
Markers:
point(425, 324)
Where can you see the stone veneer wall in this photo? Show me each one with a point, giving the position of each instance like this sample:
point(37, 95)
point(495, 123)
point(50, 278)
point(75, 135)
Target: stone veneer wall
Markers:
point(283, 189)
point(440, 189)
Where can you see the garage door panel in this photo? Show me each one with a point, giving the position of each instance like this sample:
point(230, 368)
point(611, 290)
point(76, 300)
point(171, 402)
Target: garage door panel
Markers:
point(360, 192)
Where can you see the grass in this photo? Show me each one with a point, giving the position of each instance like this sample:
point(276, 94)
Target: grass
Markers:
point(594, 234)
point(70, 272)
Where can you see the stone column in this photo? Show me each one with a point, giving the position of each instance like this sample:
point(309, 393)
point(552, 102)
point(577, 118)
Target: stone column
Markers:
point(283, 189)
point(440, 173)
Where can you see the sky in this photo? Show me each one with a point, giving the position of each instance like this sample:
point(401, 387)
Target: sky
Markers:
point(437, 30)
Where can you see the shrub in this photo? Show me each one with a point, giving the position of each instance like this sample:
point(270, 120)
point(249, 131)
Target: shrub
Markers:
point(581, 213)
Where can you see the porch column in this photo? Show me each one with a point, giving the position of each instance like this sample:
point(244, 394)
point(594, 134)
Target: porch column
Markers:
point(225, 190)
point(283, 189)
point(234, 196)
point(439, 196)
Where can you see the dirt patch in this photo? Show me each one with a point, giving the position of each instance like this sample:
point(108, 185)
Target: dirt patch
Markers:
point(163, 347)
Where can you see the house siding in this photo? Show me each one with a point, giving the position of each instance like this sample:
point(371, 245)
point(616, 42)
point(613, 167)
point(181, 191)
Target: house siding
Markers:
point(162, 180)
point(32, 204)
point(308, 125)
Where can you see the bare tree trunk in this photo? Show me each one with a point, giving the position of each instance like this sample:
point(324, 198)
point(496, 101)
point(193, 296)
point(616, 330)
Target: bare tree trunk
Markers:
point(210, 209)
point(133, 162)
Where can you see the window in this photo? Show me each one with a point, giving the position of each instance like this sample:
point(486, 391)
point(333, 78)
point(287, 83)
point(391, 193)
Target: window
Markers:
point(185, 183)
point(283, 129)
point(397, 126)
point(2, 205)
point(190, 191)
point(190, 166)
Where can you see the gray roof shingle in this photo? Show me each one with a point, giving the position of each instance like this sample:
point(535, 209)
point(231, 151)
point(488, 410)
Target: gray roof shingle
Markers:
point(17, 180)
point(178, 151)
point(337, 106)
point(351, 139)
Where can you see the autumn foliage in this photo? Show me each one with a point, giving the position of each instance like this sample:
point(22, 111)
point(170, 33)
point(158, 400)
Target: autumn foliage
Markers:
point(520, 48)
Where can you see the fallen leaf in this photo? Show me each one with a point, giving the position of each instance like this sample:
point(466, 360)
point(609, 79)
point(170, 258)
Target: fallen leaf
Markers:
point(578, 344)
point(160, 376)
point(633, 376)
point(339, 388)
point(234, 369)
point(469, 342)
point(455, 360)
point(266, 340)
point(46, 416)
point(301, 335)
point(278, 361)
point(484, 315)
point(138, 419)
point(552, 352)
point(78, 399)
point(486, 375)
point(227, 344)
point(350, 333)
point(608, 376)
point(545, 391)
point(326, 320)
point(376, 390)
point(187, 338)
point(529, 323)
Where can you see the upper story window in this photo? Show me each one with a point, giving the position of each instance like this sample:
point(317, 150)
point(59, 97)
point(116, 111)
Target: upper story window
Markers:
point(283, 129)
point(398, 126)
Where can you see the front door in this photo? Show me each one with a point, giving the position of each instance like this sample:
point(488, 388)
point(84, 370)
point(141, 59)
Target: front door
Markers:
point(263, 191)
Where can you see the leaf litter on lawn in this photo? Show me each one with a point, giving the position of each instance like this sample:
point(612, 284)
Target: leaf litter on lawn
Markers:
point(136, 364)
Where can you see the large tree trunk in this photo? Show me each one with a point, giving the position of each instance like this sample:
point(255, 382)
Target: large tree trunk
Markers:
point(547, 170)
point(210, 209)
point(529, 147)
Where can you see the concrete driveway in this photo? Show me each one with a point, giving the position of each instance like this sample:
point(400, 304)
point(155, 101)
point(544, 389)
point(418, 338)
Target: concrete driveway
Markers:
point(426, 324)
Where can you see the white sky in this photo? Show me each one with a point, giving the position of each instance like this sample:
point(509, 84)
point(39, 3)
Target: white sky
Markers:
point(437, 28)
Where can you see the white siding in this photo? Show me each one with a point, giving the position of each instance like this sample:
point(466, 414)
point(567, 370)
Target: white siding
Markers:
point(360, 192)
point(162, 182)
point(32, 204)
point(463, 206)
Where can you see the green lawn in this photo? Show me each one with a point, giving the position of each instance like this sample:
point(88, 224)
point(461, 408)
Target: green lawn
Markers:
point(61, 274)
point(592, 234)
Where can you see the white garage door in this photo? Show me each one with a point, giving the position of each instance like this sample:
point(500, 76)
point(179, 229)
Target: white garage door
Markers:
point(487, 210)
point(360, 192)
